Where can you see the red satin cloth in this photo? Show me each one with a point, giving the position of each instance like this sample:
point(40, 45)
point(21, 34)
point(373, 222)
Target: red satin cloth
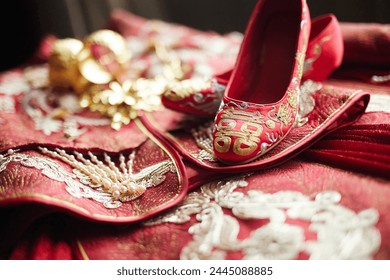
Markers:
point(366, 44)
point(348, 160)
point(367, 53)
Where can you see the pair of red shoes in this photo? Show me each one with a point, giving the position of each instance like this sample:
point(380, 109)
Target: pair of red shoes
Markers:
point(260, 104)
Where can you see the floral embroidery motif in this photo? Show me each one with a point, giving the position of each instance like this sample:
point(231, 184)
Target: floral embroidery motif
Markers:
point(10, 84)
point(37, 107)
point(13, 83)
point(47, 124)
point(37, 76)
point(208, 103)
point(341, 233)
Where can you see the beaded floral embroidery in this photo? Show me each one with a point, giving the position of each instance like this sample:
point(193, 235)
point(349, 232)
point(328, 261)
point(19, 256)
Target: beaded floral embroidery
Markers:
point(101, 180)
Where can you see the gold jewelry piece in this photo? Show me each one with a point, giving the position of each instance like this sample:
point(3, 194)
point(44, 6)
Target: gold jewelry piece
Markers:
point(63, 64)
point(104, 57)
point(96, 70)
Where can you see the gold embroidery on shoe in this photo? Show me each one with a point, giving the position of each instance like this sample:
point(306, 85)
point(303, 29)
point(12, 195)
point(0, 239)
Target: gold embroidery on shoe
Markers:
point(317, 52)
point(182, 89)
point(301, 62)
point(248, 138)
point(284, 114)
point(292, 97)
point(248, 142)
point(222, 143)
point(270, 124)
point(234, 114)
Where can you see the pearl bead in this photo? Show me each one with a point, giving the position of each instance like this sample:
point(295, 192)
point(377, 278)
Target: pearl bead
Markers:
point(116, 194)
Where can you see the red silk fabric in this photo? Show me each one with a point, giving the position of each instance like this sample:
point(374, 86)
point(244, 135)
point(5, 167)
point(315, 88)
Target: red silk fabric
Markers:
point(338, 149)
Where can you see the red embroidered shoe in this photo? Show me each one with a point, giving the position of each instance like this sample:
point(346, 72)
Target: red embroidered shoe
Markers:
point(197, 97)
point(325, 50)
point(260, 103)
point(324, 54)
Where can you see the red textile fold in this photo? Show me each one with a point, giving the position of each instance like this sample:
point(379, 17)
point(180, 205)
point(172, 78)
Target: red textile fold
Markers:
point(363, 146)
point(366, 44)
point(45, 240)
point(366, 53)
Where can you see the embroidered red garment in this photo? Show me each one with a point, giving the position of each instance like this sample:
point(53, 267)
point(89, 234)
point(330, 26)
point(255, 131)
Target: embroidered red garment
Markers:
point(317, 212)
point(326, 193)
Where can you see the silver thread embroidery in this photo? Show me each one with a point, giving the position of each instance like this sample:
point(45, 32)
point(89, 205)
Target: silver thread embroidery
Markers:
point(341, 232)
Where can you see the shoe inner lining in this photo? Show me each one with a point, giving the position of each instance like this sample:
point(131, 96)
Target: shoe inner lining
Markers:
point(265, 70)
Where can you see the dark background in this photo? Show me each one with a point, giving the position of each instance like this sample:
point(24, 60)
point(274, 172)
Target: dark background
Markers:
point(23, 23)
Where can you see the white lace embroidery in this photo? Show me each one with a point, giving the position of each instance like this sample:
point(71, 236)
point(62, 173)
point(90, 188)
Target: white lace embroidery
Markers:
point(13, 83)
point(341, 233)
point(50, 112)
point(83, 184)
point(37, 76)
point(37, 107)
point(10, 84)
point(7, 104)
point(47, 124)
